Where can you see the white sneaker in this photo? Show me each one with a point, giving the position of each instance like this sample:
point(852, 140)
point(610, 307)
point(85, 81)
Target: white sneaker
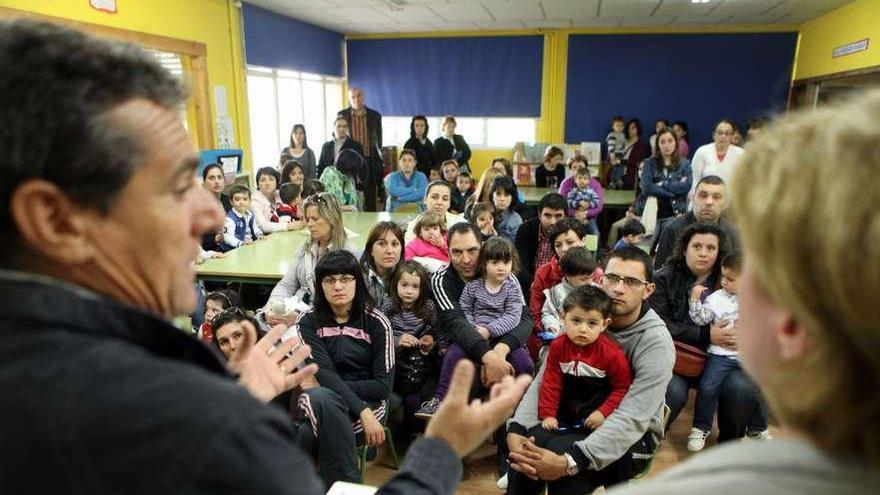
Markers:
point(759, 436)
point(697, 439)
point(502, 482)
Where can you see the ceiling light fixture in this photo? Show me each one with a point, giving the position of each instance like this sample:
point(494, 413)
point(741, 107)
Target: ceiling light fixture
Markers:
point(699, 1)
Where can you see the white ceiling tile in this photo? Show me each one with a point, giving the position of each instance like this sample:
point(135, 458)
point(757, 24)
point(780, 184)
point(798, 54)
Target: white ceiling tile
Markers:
point(598, 22)
point(411, 13)
point(462, 12)
point(642, 8)
point(796, 18)
point(632, 21)
point(743, 8)
point(415, 27)
point(497, 25)
point(570, 9)
point(439, 25)
point(700, 20)
point(358, 15)
point(547, 24)
point(373, 28)
point(684, 8)
point(518, 10)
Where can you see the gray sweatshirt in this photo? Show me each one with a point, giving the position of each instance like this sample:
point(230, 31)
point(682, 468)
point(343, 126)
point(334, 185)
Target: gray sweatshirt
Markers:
point(649, 350)
point(777, 467)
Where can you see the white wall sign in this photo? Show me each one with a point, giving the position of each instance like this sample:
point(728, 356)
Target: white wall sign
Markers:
point(108, 6)
point(850, 48)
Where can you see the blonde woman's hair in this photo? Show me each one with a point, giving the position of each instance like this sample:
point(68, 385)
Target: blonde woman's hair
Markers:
point(807, 199)
point(330, 210)
point(481, 192)
point(430, 219)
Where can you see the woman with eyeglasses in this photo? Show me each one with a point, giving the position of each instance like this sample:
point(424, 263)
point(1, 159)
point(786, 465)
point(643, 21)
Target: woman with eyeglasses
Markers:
point(696, 261)
point(352, 344)
point(382, 254)
point(720, 157)
point(295, 292)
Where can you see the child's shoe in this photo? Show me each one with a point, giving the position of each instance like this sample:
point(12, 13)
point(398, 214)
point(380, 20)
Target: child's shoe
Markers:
point(697, 439)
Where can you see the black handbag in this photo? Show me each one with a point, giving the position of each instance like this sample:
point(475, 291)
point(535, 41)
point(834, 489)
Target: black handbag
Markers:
point(411, 370)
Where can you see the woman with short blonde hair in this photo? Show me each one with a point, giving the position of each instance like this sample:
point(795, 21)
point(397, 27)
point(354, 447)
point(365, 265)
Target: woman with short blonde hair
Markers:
point(809, 293)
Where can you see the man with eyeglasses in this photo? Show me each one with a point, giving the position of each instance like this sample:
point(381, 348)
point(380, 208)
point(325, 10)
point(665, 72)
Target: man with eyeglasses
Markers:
point(622, 446)
point(709, 202)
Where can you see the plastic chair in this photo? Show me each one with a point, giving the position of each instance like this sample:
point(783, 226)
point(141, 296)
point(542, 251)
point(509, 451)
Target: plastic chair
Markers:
point(363, 449)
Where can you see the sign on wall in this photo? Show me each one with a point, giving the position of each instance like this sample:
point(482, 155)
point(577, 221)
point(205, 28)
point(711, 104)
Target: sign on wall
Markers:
point(850, 48)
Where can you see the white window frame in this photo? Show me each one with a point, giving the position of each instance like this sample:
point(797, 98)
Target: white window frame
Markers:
point(434, 132)
point(316, 136)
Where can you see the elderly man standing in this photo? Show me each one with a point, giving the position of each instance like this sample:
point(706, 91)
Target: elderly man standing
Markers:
point(101, 221)
point(365, 125)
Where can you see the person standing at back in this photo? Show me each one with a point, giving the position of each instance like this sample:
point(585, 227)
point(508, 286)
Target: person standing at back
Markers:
point(366, 128)
point(719, 158)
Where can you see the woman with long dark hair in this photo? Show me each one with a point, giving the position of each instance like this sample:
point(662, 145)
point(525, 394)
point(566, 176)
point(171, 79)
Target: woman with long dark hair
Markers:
point(299, 150)
point(382, 254)
point(353, 345)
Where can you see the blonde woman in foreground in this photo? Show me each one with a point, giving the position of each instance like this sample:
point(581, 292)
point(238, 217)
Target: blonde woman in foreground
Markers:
point(805, 197)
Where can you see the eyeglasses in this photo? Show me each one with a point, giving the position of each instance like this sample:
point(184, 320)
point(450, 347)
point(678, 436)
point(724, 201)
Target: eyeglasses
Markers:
point(631, 282)
point(332, 281)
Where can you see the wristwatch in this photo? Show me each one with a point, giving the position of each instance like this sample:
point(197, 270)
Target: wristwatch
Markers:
point(573, 467)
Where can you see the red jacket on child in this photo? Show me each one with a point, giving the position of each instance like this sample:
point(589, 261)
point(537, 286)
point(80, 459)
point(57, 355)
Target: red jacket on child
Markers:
point(578, 380)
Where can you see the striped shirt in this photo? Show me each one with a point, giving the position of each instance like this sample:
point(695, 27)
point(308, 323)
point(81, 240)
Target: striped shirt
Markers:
point(500, 311)
point(405, 321)
point(360, 132)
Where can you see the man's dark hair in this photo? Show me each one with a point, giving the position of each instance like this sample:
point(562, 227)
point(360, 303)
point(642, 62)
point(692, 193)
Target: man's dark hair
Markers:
point(578, 261)
point(632, 253)
point(588, 298)
point(554, 201)
point(462, 228)
point(59, 88)
point(712, 180)
point(563, 226)
point(289, 191)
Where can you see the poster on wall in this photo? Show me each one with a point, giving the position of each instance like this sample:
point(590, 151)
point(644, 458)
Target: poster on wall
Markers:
point(108, 6)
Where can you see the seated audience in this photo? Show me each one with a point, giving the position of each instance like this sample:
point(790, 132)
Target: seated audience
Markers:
point(719, 158)
point(240, 228)
point(341, 140)
point(461, 192)
point(696, 261)
point(504, 198)
point(437, 199)
point(294, 173)
point(624, 171)
point(615, 141)
point(265, 200)
point(582, 198)
point(551, 173)
point(406, 185)
point(383, 252)
point(709, 203)
point(577, 163)
point(624, 443)
point(300, 152)
point(450, 171)
point(429, 246)
point(215, 303)
point(352, 344)
point(340, 179)
point(492, 303)
point(312, 187)
point(213, 182)
point(290, 206)
point(680, 128)
point(483, 216)
point(578, 269)
point(533, 237)
point(631, 234)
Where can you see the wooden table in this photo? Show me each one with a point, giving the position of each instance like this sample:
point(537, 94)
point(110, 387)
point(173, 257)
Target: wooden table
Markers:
point(267, 260)
point(613, 198)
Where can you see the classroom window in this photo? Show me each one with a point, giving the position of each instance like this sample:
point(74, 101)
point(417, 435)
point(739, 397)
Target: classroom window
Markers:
point(479, 132)
point(278, 99)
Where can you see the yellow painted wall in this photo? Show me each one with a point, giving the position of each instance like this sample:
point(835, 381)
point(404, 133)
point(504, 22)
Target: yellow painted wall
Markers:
point(818, 37)
point(216, 23)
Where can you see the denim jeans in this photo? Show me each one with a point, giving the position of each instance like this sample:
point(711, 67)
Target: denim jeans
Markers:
point(739, 404)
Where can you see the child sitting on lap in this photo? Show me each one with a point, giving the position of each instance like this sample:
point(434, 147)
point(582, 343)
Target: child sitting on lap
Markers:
point(429, 246)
